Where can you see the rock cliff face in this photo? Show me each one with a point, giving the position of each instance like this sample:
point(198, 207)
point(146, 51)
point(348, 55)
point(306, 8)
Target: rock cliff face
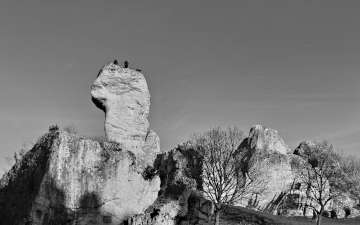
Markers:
point(179, 200)
point(297, 200)
point(71, 180)
point(123, 94)
point(66, 179)
point(265, 152)
point(268, 139)
point(78, 181)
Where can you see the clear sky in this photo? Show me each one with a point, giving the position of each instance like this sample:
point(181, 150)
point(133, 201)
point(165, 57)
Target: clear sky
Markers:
point(290, 65)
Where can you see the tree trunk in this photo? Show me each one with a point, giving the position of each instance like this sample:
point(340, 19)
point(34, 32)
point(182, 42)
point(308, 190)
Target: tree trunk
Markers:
point(318, 222)
point(217, 217)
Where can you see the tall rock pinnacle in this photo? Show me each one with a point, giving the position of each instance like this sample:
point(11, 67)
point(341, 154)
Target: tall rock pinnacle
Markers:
point(123, 94)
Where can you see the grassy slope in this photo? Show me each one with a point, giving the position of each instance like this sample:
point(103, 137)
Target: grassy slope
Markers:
point(243, 216)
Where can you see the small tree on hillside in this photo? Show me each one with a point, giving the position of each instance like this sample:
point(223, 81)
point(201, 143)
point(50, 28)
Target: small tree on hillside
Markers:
point(320, 172)
point(350, 167)
point(222, 182)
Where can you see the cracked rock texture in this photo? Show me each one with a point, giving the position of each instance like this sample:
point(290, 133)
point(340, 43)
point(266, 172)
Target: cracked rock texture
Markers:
point(261, 137)
point(70, 180)
point(179, 201)
point(67, 179)
point(123, 94)
point(265, 151)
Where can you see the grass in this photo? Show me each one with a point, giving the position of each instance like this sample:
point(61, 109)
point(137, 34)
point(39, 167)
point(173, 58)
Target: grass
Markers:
point(242, 216)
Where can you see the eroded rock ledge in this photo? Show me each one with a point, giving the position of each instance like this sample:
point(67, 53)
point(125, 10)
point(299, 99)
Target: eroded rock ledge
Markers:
point(180, 200)
point(66, 180)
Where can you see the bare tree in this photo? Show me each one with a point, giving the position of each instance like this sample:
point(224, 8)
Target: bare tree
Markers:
point(223, 183)
point(321, 173)
point(350, 167)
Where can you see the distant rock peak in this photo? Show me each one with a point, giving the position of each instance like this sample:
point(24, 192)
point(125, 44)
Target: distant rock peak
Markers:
point(261, 137)
point(265, 152)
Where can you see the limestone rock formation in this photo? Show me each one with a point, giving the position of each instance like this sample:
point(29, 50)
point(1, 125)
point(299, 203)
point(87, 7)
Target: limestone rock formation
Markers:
point(179, 200)
point(65, 179)
point(265, 152)
point(297, 200)
point(261, 137)
point(123, 94)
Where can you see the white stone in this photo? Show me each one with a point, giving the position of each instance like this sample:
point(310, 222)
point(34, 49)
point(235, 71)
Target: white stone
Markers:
point(266, 153)
point(123, 94)
point(266, 138)
point(82, 172)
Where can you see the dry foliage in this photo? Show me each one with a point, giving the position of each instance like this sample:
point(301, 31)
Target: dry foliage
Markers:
point(321, 173)
point(224, 183)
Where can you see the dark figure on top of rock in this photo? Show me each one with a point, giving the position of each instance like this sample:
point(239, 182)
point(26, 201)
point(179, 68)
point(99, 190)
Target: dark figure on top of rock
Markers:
point(126, 64)
point(116, 62)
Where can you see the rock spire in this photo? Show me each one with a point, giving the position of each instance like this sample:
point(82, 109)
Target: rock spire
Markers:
point(123, 94)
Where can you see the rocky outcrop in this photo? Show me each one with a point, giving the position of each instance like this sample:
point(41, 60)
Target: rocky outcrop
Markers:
point(265, 153)
point(67, 179)
point(180, 200)
point(123, 94)
point(304, 148)
point(264, 138)
point(297, 200)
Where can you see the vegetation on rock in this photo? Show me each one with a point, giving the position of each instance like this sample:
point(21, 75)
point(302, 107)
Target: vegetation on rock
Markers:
point(320, 171)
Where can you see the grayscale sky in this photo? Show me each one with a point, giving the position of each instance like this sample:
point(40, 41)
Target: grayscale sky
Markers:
point(291, 65)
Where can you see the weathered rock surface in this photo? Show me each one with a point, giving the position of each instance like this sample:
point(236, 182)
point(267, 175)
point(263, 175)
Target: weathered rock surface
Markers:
point(179, 201)
point(265, 152)
point(261, 137)
point(297, 200)
point(66, 180)
point(123, 94)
